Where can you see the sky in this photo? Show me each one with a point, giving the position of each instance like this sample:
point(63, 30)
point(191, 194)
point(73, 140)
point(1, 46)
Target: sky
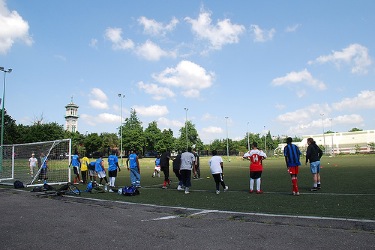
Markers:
point(289, 67)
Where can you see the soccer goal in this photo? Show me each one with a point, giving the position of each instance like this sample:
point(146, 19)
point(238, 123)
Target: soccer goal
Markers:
point(52, 159)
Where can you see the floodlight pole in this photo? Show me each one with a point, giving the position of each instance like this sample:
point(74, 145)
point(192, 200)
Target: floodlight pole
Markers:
point(121, 97)
point(248, 140)
point(265, 139)
point(2, 117)
point(324, 137)
point(186, 130)
point(226, 122)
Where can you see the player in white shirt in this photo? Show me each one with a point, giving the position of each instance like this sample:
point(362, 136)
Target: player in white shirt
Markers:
point(216, 167)
point(33, 162)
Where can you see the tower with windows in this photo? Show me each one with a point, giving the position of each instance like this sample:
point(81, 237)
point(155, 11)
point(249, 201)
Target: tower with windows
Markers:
point(71, 117)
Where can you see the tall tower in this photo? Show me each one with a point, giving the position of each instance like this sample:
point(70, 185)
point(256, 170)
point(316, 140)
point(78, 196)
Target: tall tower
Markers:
point(71, 117)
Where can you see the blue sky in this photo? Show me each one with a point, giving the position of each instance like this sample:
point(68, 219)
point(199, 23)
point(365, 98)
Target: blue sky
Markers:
point(289, 67)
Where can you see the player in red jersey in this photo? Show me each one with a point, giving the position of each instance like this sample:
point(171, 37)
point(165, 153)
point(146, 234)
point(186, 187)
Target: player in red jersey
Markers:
point(255, 156)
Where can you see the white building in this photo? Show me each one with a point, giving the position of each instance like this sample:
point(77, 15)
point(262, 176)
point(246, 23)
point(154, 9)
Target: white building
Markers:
point(71, 117)
point(339, 142)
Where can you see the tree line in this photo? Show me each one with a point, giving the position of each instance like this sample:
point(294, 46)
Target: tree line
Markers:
point(134, 137)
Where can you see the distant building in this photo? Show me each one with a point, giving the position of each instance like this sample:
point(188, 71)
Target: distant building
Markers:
point(71, 117)
point(339, 142)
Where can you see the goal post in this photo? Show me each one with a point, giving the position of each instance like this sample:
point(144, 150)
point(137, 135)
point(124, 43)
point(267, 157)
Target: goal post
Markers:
point(52, 159)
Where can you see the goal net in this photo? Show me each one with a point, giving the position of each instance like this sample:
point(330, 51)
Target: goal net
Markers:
point(51, 163)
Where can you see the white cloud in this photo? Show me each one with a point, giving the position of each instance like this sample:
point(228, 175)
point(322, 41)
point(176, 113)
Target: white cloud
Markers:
point(98, 99)
point(165, 123)
point(60, 57)
point(304, 114)
point(152, 52)
point(186, 75)
point(261, 35)
point(13, 29)
point(303, 76)
point(154, 110)
point(101, 118)
point(155, 28)
point(118, 43)
point(292, 28)
point(156, 91)
point(355, 55)
point(364, 100)
point(219, 34)
point(93, 43)
point(213, 130)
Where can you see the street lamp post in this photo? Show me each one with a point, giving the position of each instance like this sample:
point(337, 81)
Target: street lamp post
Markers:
point(248, 140)
point(121, 97)
point(265, 139)
point(2, 117)
point(186, 130)
point(324, 137)
point(332, 149)
point(226, 122)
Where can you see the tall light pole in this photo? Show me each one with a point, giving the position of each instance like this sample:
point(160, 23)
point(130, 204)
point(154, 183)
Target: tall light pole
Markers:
point(226, 122)
point(2, 117)
point(121, 97)
point(324, 137)
point(265, 140)
point(248, 140)
point(332, 149)
point(186, 130)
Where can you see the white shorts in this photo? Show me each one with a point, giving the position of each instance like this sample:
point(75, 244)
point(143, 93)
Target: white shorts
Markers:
point(157, 168)
point(101, 174)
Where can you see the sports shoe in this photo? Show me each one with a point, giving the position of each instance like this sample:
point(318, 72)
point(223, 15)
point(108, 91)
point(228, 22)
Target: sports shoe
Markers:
point(217, 192)
point(296, 193)
point(319, 187)
point(251, 191)
point(187, 191)
point(259, 192)
point(111, 191)
point(226, 188)
point(313, 189)
point(164, 187)
point(179, 188)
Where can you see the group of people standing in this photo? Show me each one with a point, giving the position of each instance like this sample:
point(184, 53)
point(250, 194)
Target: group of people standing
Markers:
point(186, 165)
point(292, 156)
point(43, 164)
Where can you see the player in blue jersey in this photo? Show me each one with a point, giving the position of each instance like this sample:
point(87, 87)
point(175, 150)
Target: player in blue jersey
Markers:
point(76, 163)
point(157, 167)
point(135, 171)
point(112, 169)
point(292, 155)
point(100, 170)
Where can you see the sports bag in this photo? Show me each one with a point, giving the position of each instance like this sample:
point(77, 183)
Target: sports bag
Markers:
point(130, 191)
point(18, 184)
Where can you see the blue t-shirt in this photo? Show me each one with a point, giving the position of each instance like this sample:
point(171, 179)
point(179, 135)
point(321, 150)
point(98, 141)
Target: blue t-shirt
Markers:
point(293, 154)
point(133, 160)
point(112, 160)
point(44, 162)
point(98, 165)
point(157, 162)
point(75, 161)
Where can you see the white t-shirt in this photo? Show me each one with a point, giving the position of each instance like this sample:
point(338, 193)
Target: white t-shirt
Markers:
point(33, 161)
point(187, 160)
point(215, 165)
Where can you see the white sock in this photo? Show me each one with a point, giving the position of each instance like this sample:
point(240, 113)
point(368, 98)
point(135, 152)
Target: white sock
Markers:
point(251, 184)
point(258, 184)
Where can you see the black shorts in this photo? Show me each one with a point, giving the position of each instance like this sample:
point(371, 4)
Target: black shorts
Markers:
point(112, 173)
point(255, 174)
point(76, 171)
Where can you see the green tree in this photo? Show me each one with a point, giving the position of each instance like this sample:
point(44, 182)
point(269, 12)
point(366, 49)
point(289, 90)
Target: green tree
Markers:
point(109, 141)
point(192, 138)
point(166, 142)
point(132, 133)
point(355, 130)
point(152, 136)
point(371, 146)
point(92, 143)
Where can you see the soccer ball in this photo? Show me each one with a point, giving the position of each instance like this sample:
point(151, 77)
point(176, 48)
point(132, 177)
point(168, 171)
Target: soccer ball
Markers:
point(119, 191)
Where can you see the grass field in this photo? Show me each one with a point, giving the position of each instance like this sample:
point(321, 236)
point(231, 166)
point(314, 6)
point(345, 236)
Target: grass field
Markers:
point(348, 189)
